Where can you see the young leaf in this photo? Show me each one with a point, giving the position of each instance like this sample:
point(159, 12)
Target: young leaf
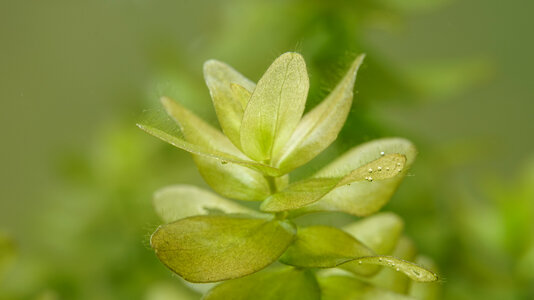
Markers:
point(228, 106)
point(241, 94)
point(308, 191)
point(342, 287)
point(176, 202)
point(215, 248)
point(232, 181)
point(323, 247)
point(275, 107)
point(320, 127)
point(283, 284)
point(223, 157)
point(362, 198)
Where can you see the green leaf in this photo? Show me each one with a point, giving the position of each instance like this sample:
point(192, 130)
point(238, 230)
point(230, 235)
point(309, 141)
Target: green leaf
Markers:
point(283, 284)
point(223, 157)
point(228, 106)
point(275, 107)
point(424, 290)
point(328, 247)
point(241, 94)
point(230, 180)
point(176, 202)
point(341, 287)
point(380, 232)
point(216, 248)
point(320, 127)
point(362, 198)
point(308, 191)
point(323, 247)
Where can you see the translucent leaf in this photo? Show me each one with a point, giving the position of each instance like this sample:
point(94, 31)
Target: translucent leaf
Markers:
point(328, 247)
point(241, 94)
point(216, 248)
point(363, 198)
point(424, 290)
point(223, 157)
point(230, 180)
point(323, 247)
point(340, 287)
point(275, 107)
point(320, 127)
point(380, 232)
point(308, 191)
point(390, 278)
point(284, 284)
point(176, 202)
point(229, 107)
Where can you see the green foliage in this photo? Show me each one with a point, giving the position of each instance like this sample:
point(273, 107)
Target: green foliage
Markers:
point(208, 238)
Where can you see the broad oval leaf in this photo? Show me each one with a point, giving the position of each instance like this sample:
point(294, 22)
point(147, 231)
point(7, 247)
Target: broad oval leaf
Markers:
point(176, 202)
point(216, 248)
point(275, 107)
point(229, 180)
point(223, 157)
point(308, 191)
point(282, 284)
point(229, 108)
point(320, 127)
point(380, 232)
point(362, 198)
point(342, 287)
point(324, 247)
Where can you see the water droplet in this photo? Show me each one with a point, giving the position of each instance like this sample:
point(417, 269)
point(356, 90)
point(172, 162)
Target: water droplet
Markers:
point(360, 262)
point(370, 170)
point(398, 164)
point(397, 269)
point(379, 168)
point(380, 259)
point(224, 162)
point(382, 153)
point(370, 178)
point(387, 169)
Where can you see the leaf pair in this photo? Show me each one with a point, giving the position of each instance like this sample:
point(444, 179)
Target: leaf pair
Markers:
point(329, 247)
point(263, 121)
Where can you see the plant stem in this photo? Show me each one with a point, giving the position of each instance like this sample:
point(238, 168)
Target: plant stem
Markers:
point(272, 184)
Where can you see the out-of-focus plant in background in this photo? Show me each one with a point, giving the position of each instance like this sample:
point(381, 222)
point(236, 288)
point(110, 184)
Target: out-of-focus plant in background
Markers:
point(77, 176)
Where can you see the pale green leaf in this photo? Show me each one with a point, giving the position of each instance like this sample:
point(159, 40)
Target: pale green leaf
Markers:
point(390, 278)
point(425, 290)
point(341, 287)
point(380, 232)
point(275, 107)
point(320, 127)
point(228, 106)
point(241, 94)
point(176, 202)
point(323, 247)
point(223, 157)
point(282, 284)
point(363, 198)
point(308, 191)
point(215, 248)
point(413, 271)
point(230, 180)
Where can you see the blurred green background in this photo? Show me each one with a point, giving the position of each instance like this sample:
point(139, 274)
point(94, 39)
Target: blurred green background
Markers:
point(77, 175)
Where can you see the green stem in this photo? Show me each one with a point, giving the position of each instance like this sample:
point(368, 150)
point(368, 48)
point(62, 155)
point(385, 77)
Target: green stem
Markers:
point(272, 184)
